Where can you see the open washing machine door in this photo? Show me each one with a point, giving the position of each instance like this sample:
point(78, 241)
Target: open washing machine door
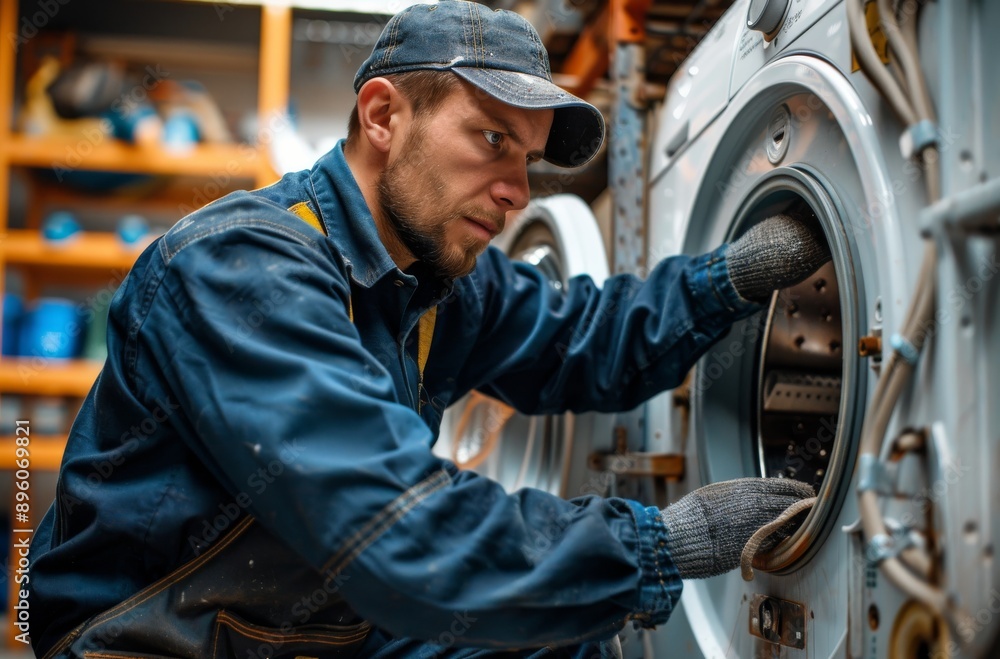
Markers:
point(792, 128)
point(560, 236)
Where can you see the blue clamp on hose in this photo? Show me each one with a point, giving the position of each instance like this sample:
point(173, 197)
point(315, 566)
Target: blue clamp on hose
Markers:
point(905, 349)
point(879, 548)
point(918, 137)
point(883, 546)
point(873, 475)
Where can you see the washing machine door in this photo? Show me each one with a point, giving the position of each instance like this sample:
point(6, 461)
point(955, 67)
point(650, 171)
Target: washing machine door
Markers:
point(785, 393)
point(560, 236)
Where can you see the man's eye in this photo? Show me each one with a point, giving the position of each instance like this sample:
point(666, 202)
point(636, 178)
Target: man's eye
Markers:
point(493, 137)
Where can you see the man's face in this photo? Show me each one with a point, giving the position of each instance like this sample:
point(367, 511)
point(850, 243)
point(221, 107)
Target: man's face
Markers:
point(459, 172)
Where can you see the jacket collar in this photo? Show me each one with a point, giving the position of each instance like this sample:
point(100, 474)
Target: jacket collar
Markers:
point(353, 228)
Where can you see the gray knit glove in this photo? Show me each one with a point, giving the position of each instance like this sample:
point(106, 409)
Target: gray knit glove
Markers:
point(776, 253)
point(707, 528)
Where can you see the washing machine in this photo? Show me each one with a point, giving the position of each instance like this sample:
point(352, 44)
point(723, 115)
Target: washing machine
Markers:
point(771, 114)
point(560, 236)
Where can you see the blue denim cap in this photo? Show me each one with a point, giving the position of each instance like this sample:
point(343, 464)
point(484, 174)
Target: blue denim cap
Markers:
point(497, 51)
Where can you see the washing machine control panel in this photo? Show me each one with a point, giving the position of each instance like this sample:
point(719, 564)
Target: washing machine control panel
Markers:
point(772, 26)
point(766, 16)
point(734, 50)
point(698, 92)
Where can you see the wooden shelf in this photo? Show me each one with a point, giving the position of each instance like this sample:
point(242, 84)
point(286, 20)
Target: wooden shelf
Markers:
point(48, 377)
point(90, 255)
point(218, 160)
point(45, 451)
point(87, 249)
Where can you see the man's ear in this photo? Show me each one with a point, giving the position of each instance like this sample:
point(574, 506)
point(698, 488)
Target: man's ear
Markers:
point(379, 102)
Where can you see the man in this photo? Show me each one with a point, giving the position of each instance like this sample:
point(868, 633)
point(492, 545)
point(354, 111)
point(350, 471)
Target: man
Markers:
point(252, 473)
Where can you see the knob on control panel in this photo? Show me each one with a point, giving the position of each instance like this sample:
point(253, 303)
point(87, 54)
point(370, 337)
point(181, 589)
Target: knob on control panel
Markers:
point(766, 16)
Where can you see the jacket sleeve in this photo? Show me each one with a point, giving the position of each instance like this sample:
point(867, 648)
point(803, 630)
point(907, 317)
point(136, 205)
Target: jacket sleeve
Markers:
point(252, 336)
point(596, 348)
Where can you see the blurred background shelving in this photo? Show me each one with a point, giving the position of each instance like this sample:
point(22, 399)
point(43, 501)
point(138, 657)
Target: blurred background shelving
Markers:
point(240, 60)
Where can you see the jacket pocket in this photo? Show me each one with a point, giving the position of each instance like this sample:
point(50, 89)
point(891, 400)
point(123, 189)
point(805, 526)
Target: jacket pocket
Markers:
point(235, 637)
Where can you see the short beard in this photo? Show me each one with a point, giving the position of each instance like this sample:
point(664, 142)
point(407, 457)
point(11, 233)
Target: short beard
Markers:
point(398, 196)
point(392, 198)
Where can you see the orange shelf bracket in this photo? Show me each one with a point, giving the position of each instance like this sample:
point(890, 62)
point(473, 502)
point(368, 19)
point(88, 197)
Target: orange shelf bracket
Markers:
point(628, 20)
point(588, 60)
point(618, 22)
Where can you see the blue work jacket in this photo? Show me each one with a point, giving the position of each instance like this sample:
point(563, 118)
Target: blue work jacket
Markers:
point(263, 367)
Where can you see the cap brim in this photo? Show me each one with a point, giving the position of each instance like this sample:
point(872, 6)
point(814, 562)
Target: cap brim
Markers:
point(577, 126)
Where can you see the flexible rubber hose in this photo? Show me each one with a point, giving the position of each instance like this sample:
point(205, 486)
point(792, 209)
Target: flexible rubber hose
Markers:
point(909, 29)
point(914, 106)
point(890, 387)
point(907, 60)
point(491, 436)
point(752, 546)
point(872, 66)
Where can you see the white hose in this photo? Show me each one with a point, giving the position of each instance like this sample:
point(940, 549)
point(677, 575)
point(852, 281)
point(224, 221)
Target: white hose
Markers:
point(911, 102)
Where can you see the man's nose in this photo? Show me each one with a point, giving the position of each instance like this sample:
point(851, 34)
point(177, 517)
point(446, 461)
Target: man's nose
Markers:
point(510, 192)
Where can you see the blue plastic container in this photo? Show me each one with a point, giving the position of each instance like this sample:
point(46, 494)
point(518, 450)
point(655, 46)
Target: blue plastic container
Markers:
point(51, 329)
point(132, 230)
point(60, 226)
point(180, 132)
